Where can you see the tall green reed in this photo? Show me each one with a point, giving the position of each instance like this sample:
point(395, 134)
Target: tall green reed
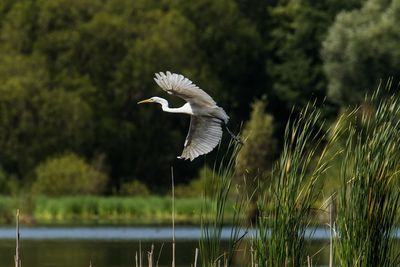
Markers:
point(216, 195)
point(280, 233)
point(369, 197)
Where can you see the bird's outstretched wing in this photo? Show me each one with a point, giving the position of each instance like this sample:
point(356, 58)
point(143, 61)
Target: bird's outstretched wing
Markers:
point(203, 136)
point(180, 86)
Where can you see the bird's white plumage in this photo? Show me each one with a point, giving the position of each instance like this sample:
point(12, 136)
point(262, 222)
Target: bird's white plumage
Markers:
point(203, 136)
point(205, 131)
point(180, 86)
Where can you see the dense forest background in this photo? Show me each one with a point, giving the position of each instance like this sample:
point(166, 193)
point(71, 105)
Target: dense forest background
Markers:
point(71, 72)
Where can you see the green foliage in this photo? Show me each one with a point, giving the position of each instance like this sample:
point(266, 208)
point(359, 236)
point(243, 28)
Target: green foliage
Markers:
point(7, 210)
point(362, 49)
point(215, 207)
point(104, 56)
point(256, 157)
point(280, 233)
point(294, 64)
point(197, 185)
point(92, 60)
point(4, 186)
point(9, 185)
point(295, 73)
point(89, 209)
point(35, 122)
point(368, 199)
point(230, 48)
point(134, 188)
point(68, 175)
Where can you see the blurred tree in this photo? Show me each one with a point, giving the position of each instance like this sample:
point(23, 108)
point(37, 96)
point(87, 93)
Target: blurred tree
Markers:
point(68, 174)
point(258, 13)
point(5, 6)
point(195, 188)
point(163, 43)
point(18, 26)
point(294, 64)
point(92, 60)
point(134, 188)
point(257, 156)
point(361, 49)
point(107, 54)
point(35, 122)
point(9, 185)
point(231, 48)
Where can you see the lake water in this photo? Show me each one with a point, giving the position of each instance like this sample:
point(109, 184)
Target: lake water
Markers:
point(117, 246)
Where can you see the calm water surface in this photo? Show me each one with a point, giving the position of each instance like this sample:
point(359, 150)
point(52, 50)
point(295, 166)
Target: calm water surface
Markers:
point(117, 246)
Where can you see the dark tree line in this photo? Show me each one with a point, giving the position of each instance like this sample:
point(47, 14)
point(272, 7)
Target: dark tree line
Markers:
point(71, 72)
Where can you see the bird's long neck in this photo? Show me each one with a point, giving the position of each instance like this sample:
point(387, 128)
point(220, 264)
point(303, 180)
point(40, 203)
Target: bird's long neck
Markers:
point(186, 109)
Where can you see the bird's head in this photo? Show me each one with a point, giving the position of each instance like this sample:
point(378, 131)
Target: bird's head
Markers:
point(153, 99)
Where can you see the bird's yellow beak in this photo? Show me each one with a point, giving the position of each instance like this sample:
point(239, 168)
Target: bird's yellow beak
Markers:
point(145, 101)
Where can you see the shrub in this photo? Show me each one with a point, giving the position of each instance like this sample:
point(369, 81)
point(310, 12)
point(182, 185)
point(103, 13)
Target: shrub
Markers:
point(281, 231)
point(368, 199)
point(7, 209)
point(360, 49)
point(68, 174)
point(134, 188)
point(195, 187)
point(9, 184)
point(257, 155)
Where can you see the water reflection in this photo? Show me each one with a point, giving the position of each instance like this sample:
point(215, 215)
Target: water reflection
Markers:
point(121, 253)
point(102, 253)
point(129, 233)
point(117, 246)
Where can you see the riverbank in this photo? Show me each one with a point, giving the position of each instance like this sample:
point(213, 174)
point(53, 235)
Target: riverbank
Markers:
point(103, 210)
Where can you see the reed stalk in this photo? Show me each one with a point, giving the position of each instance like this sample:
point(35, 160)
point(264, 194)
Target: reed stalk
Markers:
point(369, 197)
point(280, 233)
point(196, 255)
point(211, 226)
point(17, 256)
point(331, 230)
point(150, 256)
point(173, 217)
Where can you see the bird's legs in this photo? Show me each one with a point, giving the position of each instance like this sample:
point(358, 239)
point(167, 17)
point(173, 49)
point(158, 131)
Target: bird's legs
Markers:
point(236, 138)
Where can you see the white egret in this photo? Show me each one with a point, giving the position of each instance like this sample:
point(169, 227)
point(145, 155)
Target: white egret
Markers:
point(205, 131)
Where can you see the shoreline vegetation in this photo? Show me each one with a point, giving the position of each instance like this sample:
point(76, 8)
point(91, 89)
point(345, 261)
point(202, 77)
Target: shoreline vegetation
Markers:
point(94, 210)
point(103, 210)
point(362, 211)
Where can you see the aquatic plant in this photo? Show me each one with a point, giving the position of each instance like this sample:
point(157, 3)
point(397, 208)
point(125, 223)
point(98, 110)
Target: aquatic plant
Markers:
point(280, 232)
point(216, 195)
point(369, 197)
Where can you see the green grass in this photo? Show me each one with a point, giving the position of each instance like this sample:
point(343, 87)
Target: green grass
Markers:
point(369, 197)
point(104, 210)
point(280, 231)
point(114, 210)
point(8, 207)
point(215, 207)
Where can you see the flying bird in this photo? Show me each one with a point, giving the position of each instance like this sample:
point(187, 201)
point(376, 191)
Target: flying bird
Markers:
point(206, 118)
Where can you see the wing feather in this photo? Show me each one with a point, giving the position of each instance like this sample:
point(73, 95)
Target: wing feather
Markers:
point(178, 85)
point(204, 135)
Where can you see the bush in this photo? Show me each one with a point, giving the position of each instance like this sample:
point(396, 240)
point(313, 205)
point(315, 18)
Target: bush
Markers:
point(257, 155)
point(68, 175)
point(7, 209)
point(361, 49)
point(9, 184)
point(196, 187)
point(32, 114)
point(134, 188)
